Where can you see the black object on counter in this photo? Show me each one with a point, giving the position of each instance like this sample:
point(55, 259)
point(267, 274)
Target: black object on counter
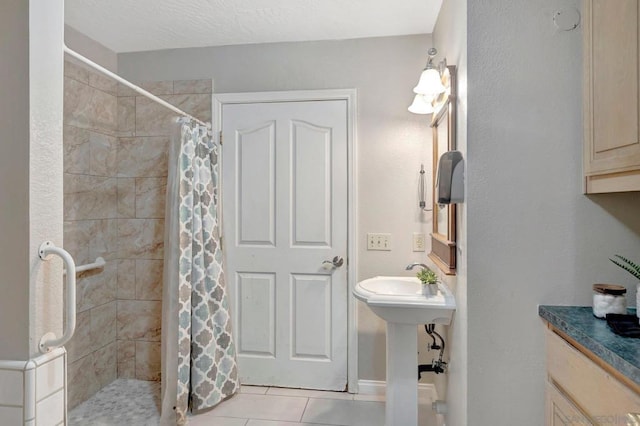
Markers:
point(624, 325)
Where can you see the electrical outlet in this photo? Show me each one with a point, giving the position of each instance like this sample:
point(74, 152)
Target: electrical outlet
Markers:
point(379, 242)
point(418, 241)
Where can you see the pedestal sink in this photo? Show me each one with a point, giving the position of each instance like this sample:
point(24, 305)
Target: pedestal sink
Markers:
point(403, 304)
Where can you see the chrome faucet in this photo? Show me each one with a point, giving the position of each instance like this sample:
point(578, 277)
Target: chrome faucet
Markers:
point(413, 265)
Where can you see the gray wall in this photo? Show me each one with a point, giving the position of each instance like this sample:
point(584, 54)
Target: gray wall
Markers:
point(30, 173)
point(533, 237)
point(14, 179)
point(90, 48)
point(450, 38)
point(391, 142)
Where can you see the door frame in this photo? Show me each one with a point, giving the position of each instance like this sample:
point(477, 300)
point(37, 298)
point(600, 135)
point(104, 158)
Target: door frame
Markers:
point(350, 96)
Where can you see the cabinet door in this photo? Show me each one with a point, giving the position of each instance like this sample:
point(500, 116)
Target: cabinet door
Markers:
point(595, 390)
point(561, 411)
point(612, 111)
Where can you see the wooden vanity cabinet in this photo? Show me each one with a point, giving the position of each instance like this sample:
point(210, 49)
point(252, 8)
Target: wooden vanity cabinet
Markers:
point(581, 389)
point(560, 410)
point(611, 95)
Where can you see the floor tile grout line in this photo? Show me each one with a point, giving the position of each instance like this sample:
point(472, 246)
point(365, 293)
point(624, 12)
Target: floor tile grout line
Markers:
point(305, 409)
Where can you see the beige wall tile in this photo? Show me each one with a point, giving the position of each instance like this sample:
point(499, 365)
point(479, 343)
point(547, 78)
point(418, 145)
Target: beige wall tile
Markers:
point(150, 197)
point(96, 287)
point(126, 279)
point(103, 325)
point(143, 157)
point(77, 150)
point(139, 320)
point(75, 70)
point(104, 241)
point(89, 108)
point(102, 82)
point(104, 151)
point(89, 197)
point(125, 91)
point(148, 360)
point(80, 345)
point(181, 87)
point(126, 197)
point(149, 279)
point(85, 240)
point(140, 238)
point(158, 87)
point(126, 353)
point(82, 381)
point(153, 119)
point(197, 105)
point(126, 115)
point(77, 237)
point(91, 372)
point(105, 364)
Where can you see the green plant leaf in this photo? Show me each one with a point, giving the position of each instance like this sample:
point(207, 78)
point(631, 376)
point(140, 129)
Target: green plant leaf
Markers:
point(627, 265)
point(427, 276)
point(629, 262)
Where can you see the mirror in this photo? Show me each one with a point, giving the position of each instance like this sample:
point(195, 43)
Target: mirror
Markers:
point(441, 211)
point(443, 236)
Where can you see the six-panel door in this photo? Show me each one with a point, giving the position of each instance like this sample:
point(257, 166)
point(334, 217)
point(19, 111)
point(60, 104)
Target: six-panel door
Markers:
point(284, 182)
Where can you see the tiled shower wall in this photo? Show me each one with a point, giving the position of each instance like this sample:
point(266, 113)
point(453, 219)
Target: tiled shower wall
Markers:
point(116, 151)
point(145, 129)
point(90, 228)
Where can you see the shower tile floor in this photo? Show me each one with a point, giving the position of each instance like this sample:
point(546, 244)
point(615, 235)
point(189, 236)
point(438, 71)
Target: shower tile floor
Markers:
point(122, 402)
point(135, 403)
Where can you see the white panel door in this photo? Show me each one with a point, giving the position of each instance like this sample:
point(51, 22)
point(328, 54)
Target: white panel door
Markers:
point(284, 185)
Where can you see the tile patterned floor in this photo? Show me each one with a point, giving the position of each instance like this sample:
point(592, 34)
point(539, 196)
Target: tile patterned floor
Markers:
point(123, 402)
point(134, 403)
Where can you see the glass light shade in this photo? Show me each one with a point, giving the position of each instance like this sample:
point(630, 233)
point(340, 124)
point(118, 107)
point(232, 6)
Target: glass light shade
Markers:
point(430, 83)
point(421, 105)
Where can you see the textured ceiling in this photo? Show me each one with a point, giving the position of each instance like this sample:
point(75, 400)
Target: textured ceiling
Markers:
point(136, 25)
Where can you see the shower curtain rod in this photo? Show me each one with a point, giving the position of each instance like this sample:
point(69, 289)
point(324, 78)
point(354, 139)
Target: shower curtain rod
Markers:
point(133, 86)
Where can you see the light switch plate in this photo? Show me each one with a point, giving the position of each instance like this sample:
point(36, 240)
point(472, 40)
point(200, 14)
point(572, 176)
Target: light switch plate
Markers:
point(379, 242)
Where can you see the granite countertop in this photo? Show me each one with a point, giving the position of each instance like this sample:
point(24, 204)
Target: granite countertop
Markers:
point(578, 322)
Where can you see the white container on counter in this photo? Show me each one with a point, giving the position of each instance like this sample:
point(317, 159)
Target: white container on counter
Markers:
point(609, 299)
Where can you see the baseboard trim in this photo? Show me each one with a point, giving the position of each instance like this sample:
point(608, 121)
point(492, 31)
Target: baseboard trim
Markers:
point(375, 390)
point(378, 388)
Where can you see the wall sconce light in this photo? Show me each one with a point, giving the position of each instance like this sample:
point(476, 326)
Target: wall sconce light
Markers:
point(421, 105)
point(430, 82)
point(429, 86)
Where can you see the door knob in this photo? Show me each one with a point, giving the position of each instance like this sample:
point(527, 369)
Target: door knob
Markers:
point(336, 262)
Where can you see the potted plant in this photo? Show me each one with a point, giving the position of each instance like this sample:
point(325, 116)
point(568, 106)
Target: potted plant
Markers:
point(429, 280)
point(633, 269)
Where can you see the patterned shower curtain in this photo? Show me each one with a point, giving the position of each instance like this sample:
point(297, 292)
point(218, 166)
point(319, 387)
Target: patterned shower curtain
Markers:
point(195, 306)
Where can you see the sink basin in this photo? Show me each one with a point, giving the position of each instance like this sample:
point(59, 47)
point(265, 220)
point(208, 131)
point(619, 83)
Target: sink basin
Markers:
point(403, 300)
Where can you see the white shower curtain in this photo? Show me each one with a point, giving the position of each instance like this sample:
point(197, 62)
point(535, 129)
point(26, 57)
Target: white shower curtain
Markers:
point(199, 367)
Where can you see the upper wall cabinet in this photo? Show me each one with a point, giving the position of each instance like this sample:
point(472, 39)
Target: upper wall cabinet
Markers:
point(611, 96)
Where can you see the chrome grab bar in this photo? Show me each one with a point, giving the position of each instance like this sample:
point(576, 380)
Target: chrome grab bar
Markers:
point(49, 341)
